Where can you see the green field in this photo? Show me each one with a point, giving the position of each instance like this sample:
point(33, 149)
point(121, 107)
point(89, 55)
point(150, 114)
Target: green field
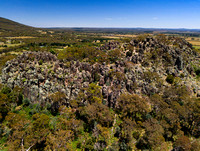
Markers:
point(197, 47)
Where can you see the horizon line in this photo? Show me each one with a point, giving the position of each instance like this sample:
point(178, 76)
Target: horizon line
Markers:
point(123, 27)
point(160, 28)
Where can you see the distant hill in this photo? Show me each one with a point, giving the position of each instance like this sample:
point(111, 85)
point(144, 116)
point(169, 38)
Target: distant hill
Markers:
point(9, 25)
point(128, 30)
point(12, 28)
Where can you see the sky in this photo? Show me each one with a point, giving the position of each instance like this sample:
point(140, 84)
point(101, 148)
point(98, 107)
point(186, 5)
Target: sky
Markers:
point(104, 13)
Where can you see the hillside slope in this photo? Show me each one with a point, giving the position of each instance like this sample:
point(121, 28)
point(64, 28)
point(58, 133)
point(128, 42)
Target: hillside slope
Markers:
point(9, 27)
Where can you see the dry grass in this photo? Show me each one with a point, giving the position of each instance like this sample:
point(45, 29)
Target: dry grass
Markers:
point(195, 43)
point(22, 37)
point(192, 39)
point(117, 36)
point(111, 37)
point(9, 45)
point(12, 45)
point(197, 47)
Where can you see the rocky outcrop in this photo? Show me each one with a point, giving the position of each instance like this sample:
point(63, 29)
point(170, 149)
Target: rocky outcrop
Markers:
point(142, 70)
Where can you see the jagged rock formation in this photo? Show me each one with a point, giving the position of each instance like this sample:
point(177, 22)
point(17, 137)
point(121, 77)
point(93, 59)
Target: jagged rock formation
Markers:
point(143, 69)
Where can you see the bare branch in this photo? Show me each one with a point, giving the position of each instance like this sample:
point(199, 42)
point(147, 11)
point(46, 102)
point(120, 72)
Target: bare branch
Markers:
point(30, 147)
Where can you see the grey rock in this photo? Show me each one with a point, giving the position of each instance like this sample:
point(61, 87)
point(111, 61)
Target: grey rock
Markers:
point(10, 83)
point(40, 77)
point(34, 93)
point(179, 63)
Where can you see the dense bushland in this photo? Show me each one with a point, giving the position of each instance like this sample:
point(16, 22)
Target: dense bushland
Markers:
point(159, 122)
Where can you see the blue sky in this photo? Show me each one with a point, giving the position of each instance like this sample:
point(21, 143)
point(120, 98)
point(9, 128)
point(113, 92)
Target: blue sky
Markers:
point(104, 13)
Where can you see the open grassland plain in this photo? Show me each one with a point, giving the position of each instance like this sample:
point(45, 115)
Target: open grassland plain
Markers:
point(117, 36)
point(195, 41)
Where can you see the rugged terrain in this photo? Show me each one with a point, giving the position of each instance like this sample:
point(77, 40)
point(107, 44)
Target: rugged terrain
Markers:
point(142, 69)
point(128, 94)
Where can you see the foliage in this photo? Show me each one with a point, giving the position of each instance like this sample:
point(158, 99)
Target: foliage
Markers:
point(81, 53)
point(40, 62)
point(52, 51)
point(132, 106)
point(90, 95)
point(170, 79)
point(114, 55)
point(86, 123)
point(57, 99)
point(26, 102)
point(197, 70)
point(183, 142)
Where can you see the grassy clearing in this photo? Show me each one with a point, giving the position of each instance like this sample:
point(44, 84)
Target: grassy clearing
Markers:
point(196, 47)
point(59, 49)
point(117, 36)
point(12, 45)
point(111, 37)
point(9, 45)
point(22, 37)
point(192, 39)
point(195, 43)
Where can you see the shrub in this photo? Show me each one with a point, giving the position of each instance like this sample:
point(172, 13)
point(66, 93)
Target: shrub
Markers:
point(195, 146)
point(170, 79)
point(150, 76)
point(114, 55)
point(40, 62)
point(94, 93)
point(96, 77)
point(24, 80)
point(197, 70)
point(52, 51)
point(20, 99)
point(129, 53)
point(58, 99)
point(6, 90)
point(182, 75)
point(142, 37)
point(34, 108)
point(183, 142)
point(26, 102)
point(132, 106)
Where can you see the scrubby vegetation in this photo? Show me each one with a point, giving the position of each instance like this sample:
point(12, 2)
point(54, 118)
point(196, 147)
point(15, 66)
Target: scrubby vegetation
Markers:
point(160, 122)
point(76, 90)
